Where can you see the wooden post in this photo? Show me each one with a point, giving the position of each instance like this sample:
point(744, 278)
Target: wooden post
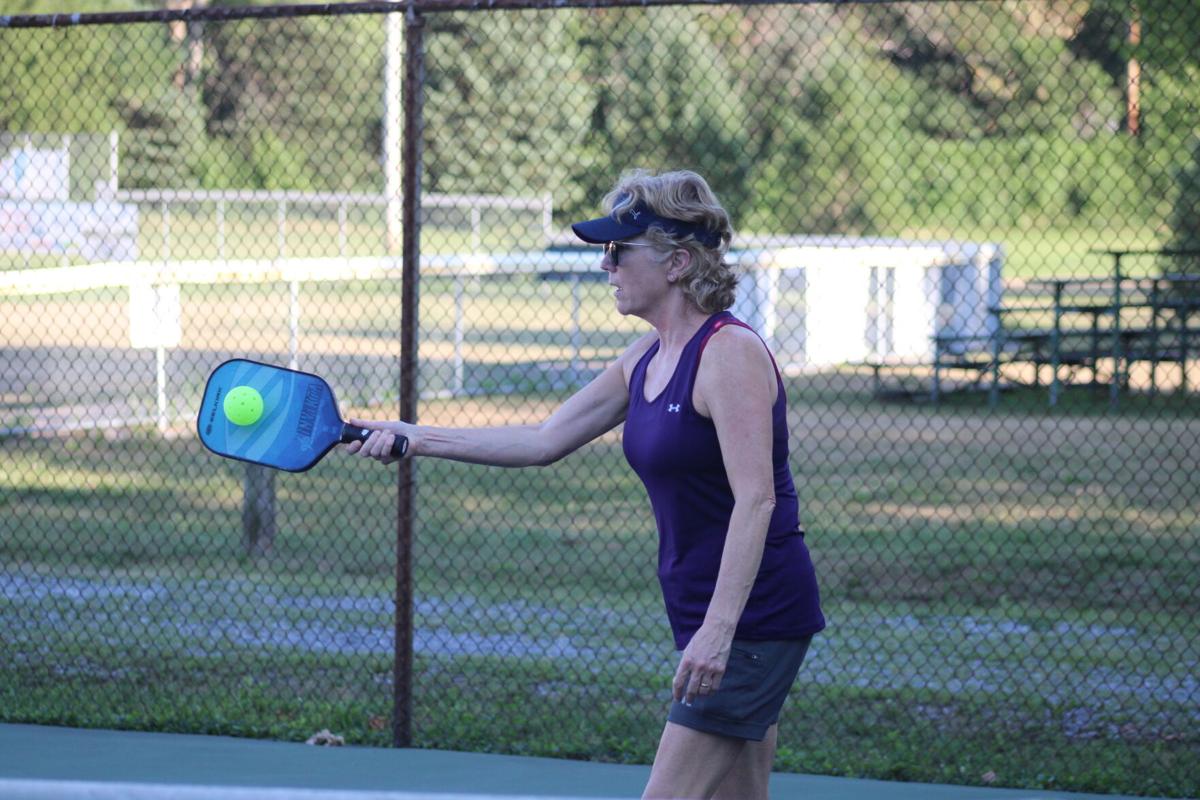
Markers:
point(1184, 313)
point(1055, 343)
point(994, 391)
point(460, 377)
point(1114, 392)
point(935, 392)
point(258, 511)
point(1154, 337)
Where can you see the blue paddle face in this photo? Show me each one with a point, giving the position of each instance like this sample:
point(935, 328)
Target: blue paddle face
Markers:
point(299, 422)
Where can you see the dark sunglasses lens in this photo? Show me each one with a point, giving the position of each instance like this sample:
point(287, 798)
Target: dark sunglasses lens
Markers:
point(611, 249)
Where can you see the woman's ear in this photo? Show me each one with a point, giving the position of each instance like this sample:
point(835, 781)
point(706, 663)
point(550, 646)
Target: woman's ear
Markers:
point(681, 259)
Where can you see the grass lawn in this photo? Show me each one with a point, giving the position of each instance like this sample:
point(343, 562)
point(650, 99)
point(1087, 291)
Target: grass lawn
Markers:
point(1013, 593)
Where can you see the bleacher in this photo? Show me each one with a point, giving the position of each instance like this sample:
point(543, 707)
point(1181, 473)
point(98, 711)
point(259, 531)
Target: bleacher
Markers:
point(1064, 332)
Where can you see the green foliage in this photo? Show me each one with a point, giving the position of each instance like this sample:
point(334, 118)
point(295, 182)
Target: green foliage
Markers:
point(1170, 32)
point(297, 101)
point(164, 136)
point(48, 82)
point(982, 75)
point(1027, 181)
point(221, 165)
point(1168, 113)
point(1102, 37)
point(498, 118)
point(658, 96)
point(1047, 152)
point(824, 172)
point(278, 164)
point(866, 119)
point(1185, 216)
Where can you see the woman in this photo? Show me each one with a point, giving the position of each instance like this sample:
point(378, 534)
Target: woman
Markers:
point(706, 430)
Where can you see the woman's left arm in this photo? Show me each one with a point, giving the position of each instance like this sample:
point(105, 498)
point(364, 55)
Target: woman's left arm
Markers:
point(736, 387)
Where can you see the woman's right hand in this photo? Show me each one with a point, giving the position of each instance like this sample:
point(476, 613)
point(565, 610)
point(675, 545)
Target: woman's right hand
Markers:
point(379, 444)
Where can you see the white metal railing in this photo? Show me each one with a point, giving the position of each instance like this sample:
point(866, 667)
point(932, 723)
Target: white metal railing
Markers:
point(819, 302)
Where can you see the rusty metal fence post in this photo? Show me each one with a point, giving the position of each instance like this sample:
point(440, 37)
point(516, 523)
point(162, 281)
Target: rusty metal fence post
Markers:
point(414, 80)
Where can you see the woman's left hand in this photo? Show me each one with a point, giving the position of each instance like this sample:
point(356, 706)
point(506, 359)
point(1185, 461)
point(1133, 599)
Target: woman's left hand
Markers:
point(702, 665)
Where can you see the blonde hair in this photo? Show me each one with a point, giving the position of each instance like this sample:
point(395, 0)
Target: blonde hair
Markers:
point(709, 282)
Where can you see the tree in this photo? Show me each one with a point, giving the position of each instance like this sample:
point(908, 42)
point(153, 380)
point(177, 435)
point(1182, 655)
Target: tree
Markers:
point(296, 101)
point(163, 139)
point(660, 96)
point(1169, 49)
point(503, 111)
point(1185, 215)
point(48, 85)
point(1170, 30)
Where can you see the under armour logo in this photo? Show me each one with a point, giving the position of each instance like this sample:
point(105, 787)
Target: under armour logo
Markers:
point(673, 408)
point(635, 214)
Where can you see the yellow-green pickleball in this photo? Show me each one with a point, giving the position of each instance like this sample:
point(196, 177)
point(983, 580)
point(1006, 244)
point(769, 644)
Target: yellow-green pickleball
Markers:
point(243, 405)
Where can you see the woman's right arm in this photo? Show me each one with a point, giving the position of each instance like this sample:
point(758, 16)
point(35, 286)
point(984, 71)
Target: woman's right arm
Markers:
point(594, 410)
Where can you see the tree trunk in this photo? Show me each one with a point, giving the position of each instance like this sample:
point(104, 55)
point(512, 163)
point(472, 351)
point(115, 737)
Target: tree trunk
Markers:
point(1133, 81)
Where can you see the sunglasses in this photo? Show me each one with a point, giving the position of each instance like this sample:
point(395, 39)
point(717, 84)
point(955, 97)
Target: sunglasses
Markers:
point(613, 250)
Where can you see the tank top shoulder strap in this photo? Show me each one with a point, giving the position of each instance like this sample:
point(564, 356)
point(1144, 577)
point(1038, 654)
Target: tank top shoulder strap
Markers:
point(689, 362)
point(729, 319)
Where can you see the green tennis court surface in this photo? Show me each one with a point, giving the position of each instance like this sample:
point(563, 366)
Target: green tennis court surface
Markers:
point(44, 763)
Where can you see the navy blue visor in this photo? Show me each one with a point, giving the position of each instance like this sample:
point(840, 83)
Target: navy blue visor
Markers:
point(636, 220)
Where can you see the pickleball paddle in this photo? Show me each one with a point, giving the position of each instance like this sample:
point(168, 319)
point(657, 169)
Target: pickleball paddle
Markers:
point(278, 417)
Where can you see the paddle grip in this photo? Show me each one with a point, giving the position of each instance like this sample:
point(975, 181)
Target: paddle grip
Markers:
point(353, 433)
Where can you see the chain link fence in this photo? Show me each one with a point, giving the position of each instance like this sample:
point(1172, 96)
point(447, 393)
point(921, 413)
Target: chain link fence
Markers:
point(968, 230)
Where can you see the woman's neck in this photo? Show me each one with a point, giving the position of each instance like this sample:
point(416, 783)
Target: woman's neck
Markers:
point(677, 325)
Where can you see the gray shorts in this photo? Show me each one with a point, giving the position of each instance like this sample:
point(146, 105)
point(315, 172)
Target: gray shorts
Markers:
point(750, 697)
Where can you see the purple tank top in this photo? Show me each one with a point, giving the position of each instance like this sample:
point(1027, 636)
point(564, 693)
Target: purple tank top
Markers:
point(675, 452)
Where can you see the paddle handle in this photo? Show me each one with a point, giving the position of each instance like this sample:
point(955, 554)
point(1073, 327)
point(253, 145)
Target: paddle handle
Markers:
point(353, 433)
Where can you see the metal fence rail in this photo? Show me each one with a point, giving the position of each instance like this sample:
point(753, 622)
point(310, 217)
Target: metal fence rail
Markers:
point(964, 230)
